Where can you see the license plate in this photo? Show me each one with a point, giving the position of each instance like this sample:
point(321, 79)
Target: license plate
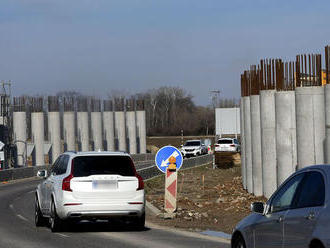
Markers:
point(105, 184)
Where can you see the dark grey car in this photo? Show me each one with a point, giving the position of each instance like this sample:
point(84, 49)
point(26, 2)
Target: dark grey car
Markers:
point(296, 215)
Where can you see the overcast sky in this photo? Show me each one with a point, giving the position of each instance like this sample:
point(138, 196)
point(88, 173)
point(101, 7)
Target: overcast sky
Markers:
point(96, 46)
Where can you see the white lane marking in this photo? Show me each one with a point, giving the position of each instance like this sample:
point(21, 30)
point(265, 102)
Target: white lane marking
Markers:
point(11, 207)
point(63, 235)
point(30, 192)
point(22, 218)
point(146, 168)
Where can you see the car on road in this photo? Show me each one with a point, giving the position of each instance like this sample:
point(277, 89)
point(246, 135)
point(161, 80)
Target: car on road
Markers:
point(227, 145)
point(296, 215)
point(193, 148)
point(90, 186)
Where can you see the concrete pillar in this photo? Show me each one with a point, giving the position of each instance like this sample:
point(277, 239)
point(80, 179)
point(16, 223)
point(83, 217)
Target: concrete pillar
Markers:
point(310, 121)
point(96, 122)
point(69, 131)
point(131, 131)
point(327, 123)
point(141, 130)
point(248, 144)
point(54, 134)
point(243, 169)
point(268, 141)
point(83, 135)
point(120, 130)
point(256, 145)
point(109, 130)
point(285, 109)
point(20, 136)
point(38, 137)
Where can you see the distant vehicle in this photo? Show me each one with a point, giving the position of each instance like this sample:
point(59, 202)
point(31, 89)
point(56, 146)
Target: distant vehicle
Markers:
point(90, 185)
point(227, 145)
point(193, 148)
point(296, 215)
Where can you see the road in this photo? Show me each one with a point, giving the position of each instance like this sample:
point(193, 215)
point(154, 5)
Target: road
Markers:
point(17, 228)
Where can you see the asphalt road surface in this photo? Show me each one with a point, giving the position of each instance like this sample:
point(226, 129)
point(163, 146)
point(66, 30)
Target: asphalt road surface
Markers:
point(17, 228)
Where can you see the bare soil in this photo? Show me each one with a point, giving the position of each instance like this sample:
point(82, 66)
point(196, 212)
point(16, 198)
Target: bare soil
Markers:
point(208, 199)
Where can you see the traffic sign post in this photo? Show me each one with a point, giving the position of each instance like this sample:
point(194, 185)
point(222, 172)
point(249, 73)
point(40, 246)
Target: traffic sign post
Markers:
point(169, 160)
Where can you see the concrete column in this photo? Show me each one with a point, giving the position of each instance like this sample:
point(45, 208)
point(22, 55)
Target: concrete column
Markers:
point(38, 137)
point(285, 109)
point(256, 145)
point(20, 136)
point(54, 134)
point(248, 144)
point(131, 131)
point(327, 123)
point(109, 130)
point(141, 130)
point(120, 130)
point(83, 135)
point(69, 133)
point(310, 121)
point(243, 169)
point(268, 141)
point(96, 122)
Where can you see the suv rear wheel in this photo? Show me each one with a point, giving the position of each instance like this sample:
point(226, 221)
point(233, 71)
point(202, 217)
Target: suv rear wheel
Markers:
point(39, 219)
point(139, 222)
point(54, 221)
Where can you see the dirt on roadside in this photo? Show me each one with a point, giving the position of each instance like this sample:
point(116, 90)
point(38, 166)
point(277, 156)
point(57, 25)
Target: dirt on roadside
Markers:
point(208, 199)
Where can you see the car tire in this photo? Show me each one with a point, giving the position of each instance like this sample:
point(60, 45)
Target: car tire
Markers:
point(39, 219)
point(238, 242)
point(139, 222)
point(54, 221)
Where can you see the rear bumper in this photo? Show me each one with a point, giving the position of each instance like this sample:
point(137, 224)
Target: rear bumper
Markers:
point(231, 149)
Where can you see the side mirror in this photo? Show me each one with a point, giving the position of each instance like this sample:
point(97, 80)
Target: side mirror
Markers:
point(42, 174)
point(258, 207)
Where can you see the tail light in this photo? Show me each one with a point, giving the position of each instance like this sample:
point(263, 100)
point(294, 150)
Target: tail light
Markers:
point(217, 145)
point(232, 145)
point(67, 181)
point(141, 183)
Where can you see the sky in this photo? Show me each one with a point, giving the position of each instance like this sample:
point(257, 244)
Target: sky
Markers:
point(100, 46)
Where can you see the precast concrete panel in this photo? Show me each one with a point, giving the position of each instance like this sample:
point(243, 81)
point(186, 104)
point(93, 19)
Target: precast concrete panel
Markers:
point(54, 134)
point(141, 130)
point(120, 130)
point(38, 137)
point(256, 145)
point(248, 144)
point(131, 131)
point(20, 136)
point(327, 123)
point(243, 168)
point(310, 121)
point(83, 135)
point(96, 122)
point(268, 141)
point(69, 131)
point(285, 134)
point(109, 130)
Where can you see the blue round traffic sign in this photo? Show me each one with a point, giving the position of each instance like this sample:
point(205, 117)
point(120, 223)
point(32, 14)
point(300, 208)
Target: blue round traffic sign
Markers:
point(163, 156)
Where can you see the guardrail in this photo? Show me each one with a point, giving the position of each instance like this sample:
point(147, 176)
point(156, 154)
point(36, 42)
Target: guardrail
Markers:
point(144, 163)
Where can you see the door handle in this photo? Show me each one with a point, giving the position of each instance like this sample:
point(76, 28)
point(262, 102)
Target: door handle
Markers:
point(310, 216)
point(280, 219)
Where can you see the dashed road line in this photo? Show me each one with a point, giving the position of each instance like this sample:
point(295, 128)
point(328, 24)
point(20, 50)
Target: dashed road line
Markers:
point(62, 235)
point(22, 217)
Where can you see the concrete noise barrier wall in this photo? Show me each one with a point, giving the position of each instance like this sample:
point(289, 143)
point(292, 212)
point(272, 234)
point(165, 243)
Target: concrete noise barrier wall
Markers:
point(141, 129)
point(243, 167)
point(256, 145)
point(20, 136)
point(38, 137)
point(120, 130)
point(268, 141)
point(131, 131)
point(54, 134)
point(69, 131)
point(83, 133)
point(310, 121)
point(109, 130)
point(97, 130)
point(248, 144)
point(285, 134)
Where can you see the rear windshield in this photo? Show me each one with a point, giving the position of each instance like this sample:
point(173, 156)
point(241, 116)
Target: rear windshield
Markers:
point(85, 166)
point(225, 141)
point(193, 143)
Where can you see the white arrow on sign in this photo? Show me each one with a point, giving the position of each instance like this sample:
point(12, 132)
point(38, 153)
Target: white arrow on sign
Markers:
point(174, 154)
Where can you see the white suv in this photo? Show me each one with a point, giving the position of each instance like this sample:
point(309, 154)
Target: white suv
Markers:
point(227, 145)
point(90, 185)
point(193, 148)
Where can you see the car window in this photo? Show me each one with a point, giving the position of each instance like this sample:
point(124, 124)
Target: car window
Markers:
point(225, 141)
point(312, 191)
point(54, 167)
point(192, 143)
point(284, 197)
point(63, 164)
point(103, 165)
point(235, 141)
